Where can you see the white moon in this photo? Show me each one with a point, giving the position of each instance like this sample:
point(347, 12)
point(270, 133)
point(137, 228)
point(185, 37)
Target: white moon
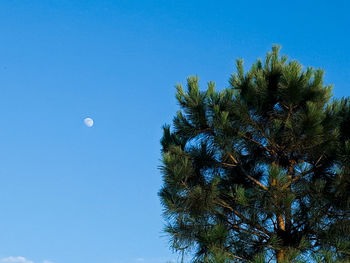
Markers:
point(88, 122)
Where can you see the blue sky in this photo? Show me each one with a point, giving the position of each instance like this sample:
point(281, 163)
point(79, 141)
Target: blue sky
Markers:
point(72, 194)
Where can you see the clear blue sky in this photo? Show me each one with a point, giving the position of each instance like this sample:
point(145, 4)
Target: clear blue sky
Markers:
point(72, 194)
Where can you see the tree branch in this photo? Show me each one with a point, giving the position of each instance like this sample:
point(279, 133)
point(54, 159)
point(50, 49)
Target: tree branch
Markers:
point(243, 218)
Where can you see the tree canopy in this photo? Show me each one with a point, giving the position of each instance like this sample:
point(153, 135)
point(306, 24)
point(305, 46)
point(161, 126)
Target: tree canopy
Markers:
point(259, 171)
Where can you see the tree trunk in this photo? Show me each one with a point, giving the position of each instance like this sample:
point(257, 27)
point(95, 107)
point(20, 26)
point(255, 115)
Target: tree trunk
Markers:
point(281, 223)
point(280, 254)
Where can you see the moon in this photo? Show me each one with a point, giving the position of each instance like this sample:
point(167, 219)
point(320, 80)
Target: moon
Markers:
point(88, 122)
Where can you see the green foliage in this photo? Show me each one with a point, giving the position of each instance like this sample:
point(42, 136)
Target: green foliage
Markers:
point(260, 171)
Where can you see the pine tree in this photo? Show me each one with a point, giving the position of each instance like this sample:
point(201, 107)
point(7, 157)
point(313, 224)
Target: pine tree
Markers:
point(259, 171)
